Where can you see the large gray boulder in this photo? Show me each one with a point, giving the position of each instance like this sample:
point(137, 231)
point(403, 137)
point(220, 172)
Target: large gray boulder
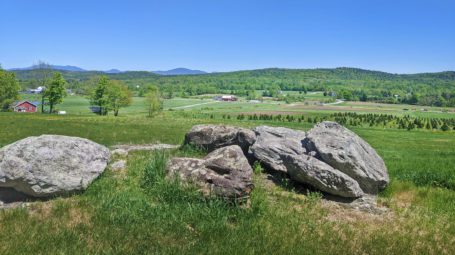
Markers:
point(344, 150)
point(51, 165)
point(224, 172)
point(273, 143)
point(311, 171)
point(212, 137)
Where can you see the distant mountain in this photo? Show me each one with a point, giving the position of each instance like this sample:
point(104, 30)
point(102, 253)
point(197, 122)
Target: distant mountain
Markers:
point(113, 71)
point(179, 71)
point(54, 67)
point(67, 68)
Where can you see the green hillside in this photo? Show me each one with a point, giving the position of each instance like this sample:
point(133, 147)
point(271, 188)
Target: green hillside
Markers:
point(437, 89)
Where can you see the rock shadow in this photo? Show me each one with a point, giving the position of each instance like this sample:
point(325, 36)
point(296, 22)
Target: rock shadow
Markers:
point(10, 195)
point(285, 182)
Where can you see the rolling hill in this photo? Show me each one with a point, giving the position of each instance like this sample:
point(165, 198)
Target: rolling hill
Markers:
point(354, 84)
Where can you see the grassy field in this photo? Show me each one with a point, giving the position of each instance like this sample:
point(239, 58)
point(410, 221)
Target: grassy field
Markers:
point(138, 212)
point(78, 105)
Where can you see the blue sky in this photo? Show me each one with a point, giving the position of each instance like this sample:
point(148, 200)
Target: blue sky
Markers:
point(218, 35)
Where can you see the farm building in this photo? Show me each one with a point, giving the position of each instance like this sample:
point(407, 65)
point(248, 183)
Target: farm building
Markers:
point(38, 90)
point(226, 98)
point(25, 106)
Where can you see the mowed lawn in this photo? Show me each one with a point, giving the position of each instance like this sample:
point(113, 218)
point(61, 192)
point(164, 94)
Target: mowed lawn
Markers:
point(138, 212)
point(79, 105)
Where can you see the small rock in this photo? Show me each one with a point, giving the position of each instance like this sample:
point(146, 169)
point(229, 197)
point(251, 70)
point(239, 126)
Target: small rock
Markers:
point(118, 165)
point(366, 203)
point(120, 152)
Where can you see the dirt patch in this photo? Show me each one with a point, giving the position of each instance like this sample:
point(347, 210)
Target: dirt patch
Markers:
point(41, 210)
point(145, 147)
point(271, 112)
point(78, 216)
point(339, 108)
point(44, 210)
point(404, 199)
point(301, 109)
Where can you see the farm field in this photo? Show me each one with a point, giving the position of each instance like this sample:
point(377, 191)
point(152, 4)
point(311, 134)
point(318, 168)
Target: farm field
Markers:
point(164, 218)
point(311, 105)
point(78, 105)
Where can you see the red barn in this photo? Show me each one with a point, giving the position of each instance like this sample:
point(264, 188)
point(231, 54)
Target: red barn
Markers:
point(25, 106)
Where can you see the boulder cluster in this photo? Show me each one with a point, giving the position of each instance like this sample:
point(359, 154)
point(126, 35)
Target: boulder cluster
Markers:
point(329, 158)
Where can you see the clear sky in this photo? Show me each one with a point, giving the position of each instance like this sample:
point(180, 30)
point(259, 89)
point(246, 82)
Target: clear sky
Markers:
point(223, 35)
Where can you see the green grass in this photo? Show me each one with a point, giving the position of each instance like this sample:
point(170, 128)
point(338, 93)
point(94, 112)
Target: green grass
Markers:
point(78, 105)
point(106, 130)
point(421, 156)
point(138, 212)
point(181, 102)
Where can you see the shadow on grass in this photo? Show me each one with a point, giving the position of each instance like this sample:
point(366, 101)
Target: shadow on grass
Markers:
point(11, 196)
point(283, 180)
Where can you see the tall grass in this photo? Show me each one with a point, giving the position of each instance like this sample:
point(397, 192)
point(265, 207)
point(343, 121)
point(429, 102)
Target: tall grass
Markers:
point(155, 170)
point(141, 212)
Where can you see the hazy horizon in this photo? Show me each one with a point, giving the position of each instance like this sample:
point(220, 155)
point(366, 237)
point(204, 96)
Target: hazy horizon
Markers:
point(208, 72)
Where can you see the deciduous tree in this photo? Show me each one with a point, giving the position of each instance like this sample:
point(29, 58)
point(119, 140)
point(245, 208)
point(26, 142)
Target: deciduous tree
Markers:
point(9, 89)
point(118, 96)
point(153, 101)
point(99, 96)
point(56, 91)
